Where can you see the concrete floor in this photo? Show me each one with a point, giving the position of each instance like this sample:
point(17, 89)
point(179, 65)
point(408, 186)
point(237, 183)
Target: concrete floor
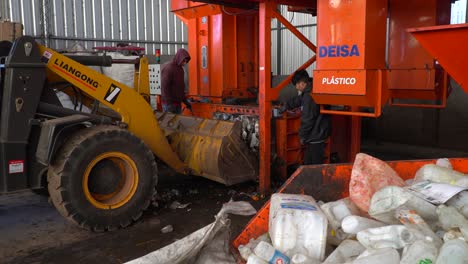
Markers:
point(33, 232)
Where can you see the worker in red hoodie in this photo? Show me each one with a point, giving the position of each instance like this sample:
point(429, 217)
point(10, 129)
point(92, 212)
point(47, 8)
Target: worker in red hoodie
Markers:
point(173, 83)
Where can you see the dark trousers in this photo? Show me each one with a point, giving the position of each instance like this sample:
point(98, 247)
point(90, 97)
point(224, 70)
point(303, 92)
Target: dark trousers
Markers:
point(314, 153)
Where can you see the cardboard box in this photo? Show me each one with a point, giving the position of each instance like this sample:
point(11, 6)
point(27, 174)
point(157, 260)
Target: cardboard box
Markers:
point(10, 30)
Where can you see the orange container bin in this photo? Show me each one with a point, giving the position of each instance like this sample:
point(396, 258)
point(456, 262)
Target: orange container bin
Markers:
point(326, 183)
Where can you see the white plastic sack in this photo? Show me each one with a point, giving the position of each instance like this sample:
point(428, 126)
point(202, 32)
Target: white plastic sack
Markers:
point(66, 102)
point(123, 73)
point(187, 250)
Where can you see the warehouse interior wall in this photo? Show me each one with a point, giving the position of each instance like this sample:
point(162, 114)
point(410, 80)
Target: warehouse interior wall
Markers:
point(62, 24)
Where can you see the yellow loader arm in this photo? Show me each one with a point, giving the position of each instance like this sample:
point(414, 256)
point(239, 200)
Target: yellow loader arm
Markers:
point(134, 110)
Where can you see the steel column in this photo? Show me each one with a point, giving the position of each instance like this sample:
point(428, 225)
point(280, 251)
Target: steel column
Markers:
point(355, 142)
point(265, 15)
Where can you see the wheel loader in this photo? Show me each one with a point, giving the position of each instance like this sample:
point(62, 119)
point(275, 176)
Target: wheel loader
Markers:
point(100, 168)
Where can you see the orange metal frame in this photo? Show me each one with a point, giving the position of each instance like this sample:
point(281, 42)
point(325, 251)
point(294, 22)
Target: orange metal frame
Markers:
point(267, 11)
point(222, 33)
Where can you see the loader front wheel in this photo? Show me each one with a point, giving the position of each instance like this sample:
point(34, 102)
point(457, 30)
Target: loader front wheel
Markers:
point(103, 178)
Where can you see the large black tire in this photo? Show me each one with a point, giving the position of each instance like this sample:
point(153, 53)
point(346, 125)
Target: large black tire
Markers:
point(73, 171)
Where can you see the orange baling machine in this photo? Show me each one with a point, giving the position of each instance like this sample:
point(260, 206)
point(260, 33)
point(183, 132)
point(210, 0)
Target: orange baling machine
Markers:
point(365, 59)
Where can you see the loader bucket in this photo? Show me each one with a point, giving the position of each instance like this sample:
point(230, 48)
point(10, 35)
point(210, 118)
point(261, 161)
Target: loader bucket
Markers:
point(211, 148)
point(447, 44)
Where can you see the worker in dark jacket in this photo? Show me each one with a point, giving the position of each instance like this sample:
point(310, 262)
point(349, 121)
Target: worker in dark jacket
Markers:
point(315, 127)
point(173, 83)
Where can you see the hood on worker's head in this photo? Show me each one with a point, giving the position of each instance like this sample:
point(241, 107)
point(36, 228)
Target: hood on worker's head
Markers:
point(180, 56)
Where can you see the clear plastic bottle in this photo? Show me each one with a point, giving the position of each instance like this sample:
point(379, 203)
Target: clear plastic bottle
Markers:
point(394, 236)
point(390, 198)
point(353, 224)
point(336, 211)
point(440, 174)
point(453, 252)
point(297, 225)
point(413, 221)
point(453, 234)
point(460, 201)
point(346, 251)
point(450, 218)
point(381, 256)
point(302, 259)
point(268, 253)
point(254, 259)
point(444, 162)
point(420, 252)
point(246, 250)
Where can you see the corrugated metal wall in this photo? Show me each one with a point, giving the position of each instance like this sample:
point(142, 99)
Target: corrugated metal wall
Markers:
point(61, 24)
point(293, 52)
point(145, 23)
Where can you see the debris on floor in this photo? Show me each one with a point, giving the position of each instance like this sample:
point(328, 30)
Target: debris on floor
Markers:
point(167, 229)
point(384, 220)
point(208, 245)
point(177, 205)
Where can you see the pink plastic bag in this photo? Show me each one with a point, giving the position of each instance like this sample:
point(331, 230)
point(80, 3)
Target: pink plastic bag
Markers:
point(367, 177)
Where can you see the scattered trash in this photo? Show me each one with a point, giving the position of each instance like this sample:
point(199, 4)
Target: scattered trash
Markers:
point(423, 220)
point(177, 205)
point(167, 229)
point(175, 192)
point(193, 191)
point(187, 249)
point(254, 196)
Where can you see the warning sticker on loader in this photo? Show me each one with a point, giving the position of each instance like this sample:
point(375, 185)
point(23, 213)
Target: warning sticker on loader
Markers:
point(15, 166)
point(46, 56)
point(112, 94)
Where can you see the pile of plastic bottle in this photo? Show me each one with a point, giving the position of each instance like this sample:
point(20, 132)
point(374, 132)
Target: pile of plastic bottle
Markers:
point(382, 221)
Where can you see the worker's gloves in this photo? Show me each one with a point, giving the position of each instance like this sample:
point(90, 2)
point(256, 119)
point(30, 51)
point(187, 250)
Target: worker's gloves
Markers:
point(302, 141)
point(283, 109)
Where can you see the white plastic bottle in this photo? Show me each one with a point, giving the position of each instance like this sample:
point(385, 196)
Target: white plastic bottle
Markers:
point(420, 252)
point(302, 259)
point(453, 234)
point(436, 173)
point(394, 236)
point(453, 252)
point(450, 218)
point(413, 221)
point(297, 225)
point(460, 201)
point(353, 224)
point(268, 253)
point(254, 259)
point(444, 162)
point(337, 210)
point(381, 256)
point(346, 251)
point(246, 250)
point(388, 199)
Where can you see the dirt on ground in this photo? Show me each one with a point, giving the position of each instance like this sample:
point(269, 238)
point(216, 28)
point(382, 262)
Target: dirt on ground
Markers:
point(32, 231)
